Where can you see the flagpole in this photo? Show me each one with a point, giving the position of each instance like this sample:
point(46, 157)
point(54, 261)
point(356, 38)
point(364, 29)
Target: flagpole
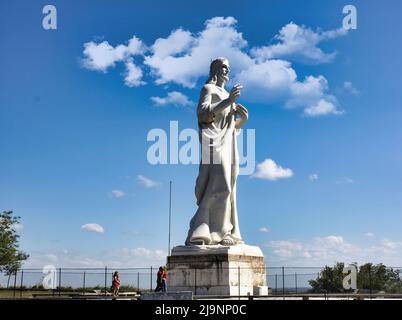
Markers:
point(170, 214)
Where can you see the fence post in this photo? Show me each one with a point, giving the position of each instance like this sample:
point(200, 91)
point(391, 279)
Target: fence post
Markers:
point(15, 281)
point(283, 280)
point(105, 280)
point(59, 280)
point(238, 280)
point(276, 283)
point(150, 281)
point(138, 281)
point(83, 284)
point(8, 281)
point(22, 281)
point(296, 282)
point(371, 285)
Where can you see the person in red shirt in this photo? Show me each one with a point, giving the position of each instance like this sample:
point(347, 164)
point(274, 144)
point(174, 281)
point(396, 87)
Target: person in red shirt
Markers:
point(115, 285)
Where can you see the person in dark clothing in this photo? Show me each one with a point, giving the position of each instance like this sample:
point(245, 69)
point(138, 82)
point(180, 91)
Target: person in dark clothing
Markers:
point(159, 280)
point(164, 280)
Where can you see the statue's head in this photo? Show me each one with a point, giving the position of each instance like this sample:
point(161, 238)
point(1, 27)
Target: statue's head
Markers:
point(219, 70)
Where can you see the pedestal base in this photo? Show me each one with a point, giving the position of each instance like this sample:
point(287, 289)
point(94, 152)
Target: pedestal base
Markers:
point(217, 270)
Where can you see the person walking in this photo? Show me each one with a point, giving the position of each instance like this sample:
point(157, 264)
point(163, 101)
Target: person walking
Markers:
point(159, 280)
point(164, 279)
point(115, 285)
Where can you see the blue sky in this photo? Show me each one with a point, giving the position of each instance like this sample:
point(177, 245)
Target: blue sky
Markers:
point(75, 114)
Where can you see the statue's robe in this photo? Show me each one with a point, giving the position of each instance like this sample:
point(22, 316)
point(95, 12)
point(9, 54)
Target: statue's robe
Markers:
point(216, 218)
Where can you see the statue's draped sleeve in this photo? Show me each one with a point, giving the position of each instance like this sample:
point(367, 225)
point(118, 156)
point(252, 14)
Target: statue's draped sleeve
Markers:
point(205, 111)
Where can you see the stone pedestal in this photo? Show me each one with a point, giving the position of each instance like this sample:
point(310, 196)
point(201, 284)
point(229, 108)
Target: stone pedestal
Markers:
point(217, 270)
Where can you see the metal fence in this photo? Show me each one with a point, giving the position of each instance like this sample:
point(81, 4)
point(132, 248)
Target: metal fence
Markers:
point(281, 281)
point(79, 280)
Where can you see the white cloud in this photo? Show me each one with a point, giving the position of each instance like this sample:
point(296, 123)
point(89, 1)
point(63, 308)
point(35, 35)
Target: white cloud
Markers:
point(177, 42)
point(191, 58)
point(264, 229)
point(327, 250)
point(323, 107)
point(101, 56)
point(320, 251)
point(387, 247)
point(313, 177)
point(117, 193)
point(345, 180)
point(348, 86)
point(173, 98)
point(52, 258)
point(391, 245)
point(93, 227)
point(269, 81)
point(133, 74)
point(114, 258)
point(331, 241)
point(299, 43)
point(143, 253)
point(269, 170)
point(307, 92)
point(286, 244)
point(284, 248)
point(369, 234)
point(275, 82)
point(184, 57)
point(146, 182)
point(283, 253)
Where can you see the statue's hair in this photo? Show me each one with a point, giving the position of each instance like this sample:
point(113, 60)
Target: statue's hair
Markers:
point(214, 67)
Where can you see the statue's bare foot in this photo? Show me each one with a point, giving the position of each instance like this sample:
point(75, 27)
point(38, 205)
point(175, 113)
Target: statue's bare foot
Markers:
point(228, 242)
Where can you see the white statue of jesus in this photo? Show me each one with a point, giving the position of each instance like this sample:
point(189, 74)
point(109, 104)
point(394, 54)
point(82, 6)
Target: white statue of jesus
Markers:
point(219, 120)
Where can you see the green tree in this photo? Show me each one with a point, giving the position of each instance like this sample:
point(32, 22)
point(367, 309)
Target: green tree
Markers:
point(10, 255)
point(393, 282)
point(379, 278)
point(369, 277)
point(329, 280)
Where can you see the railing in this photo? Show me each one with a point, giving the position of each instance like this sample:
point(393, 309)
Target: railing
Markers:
point(290, 282)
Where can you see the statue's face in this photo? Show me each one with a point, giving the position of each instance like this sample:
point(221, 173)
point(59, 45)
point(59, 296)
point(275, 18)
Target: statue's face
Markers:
point(223, 72)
